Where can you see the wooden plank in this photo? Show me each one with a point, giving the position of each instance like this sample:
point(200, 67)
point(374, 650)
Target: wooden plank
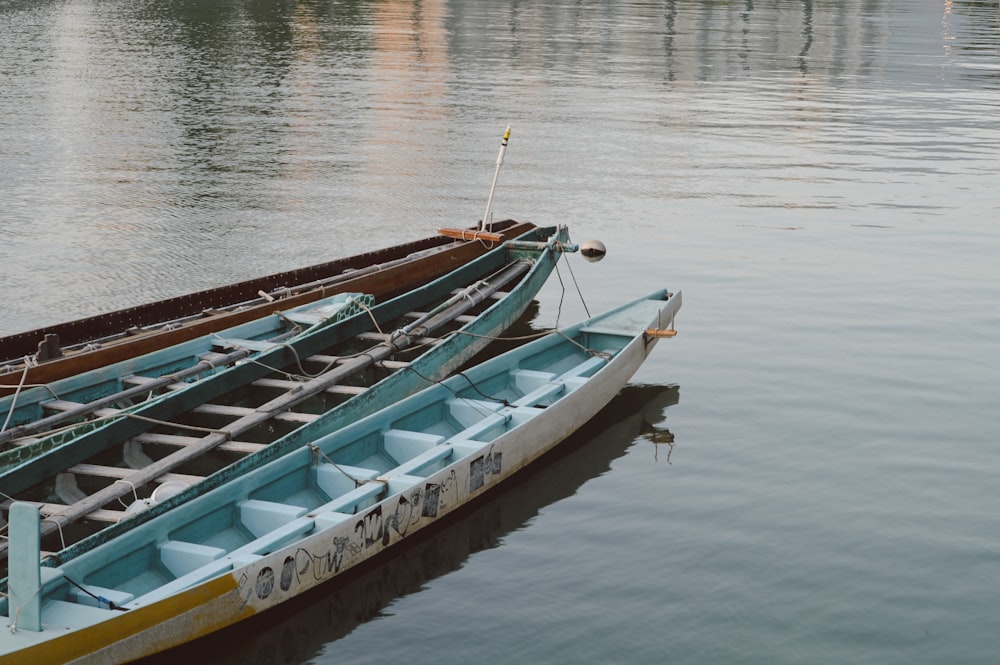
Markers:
point(463, 318)
point(64, 405)
point(238, 447)
point(378, 337)
point(346, 390)
point(54, 509)
point(336, 360)
point(243, 412)
point(109, 516)
point(284, 384)
point(118, 473)
point(393, 364)
point(277, 384)
point(470, 234)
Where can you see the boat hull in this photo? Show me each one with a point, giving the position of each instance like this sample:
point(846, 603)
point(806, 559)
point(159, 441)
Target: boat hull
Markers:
point(254, 581)
point(434, 364)
point(401, 276)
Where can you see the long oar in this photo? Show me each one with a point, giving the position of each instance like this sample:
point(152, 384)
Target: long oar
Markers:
point(485, 222)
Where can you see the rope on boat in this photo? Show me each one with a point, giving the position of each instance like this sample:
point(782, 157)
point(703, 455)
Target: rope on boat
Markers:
point(13, 401)
point(125, 414)
point(55, 431)
point(112, 605)
point(472, 403)
point(135, 494)
point(298, 361)
point(319, 453)
point(167, 423)
point(62, 539)
point(554, 330)
point(575, 283)
point(17, 608)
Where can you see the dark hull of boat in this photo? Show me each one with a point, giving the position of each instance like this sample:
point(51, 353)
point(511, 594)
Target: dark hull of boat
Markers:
point(392, 281)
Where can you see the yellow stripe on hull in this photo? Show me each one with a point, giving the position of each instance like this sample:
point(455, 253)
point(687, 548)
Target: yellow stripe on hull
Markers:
point(126, 636)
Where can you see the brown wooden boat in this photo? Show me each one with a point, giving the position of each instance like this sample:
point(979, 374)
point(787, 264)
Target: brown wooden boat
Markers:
point(54, 352)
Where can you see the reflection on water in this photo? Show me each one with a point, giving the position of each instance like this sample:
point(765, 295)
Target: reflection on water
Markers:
point(299, 630)
point(153, 148)
point(819, 177)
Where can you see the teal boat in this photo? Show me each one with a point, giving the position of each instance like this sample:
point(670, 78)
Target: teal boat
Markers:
point(275, 532)
point(146, 460)
point(44, 355)
point(41, 417)
point(336, 610)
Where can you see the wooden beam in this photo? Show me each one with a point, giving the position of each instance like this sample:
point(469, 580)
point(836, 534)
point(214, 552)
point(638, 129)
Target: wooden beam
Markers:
point(238, 447)
point(243, 411)
point(470, 234)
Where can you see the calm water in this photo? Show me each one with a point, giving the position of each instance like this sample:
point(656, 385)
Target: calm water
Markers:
point(820, 178)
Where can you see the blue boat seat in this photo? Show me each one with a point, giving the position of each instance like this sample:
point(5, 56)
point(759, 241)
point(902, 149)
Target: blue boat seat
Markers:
point(468, 412)
point(97, 594)
point(50, 578)
point(403, 445)
point(245, 555)
point(415, 465)
point(586, 368)
point(357, 499)
point(263, 517)
point(528, 380)
point(545, 392)
point(272, 540)
point(196, 576)
point(483, 430)
point(181, 557)
point(342, 478)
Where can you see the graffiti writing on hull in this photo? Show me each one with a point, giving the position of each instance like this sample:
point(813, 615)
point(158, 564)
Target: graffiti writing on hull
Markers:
point(487, 465)
point(373, 529)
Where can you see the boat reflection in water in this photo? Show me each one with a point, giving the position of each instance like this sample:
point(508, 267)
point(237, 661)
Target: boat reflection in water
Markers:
point(299, 630)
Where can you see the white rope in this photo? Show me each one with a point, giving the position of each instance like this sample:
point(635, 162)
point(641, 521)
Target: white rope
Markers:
point(135, 494)
point(319, 453)
point(18, 608)
point(62, 539)
point(13, 401)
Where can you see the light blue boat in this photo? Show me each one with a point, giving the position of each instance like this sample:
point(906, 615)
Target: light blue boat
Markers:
point(40, 418)
point(150, 459)
point(273, 533)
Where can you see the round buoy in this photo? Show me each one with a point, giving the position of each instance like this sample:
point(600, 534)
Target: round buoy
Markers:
point(167, 490)
point(593, 250)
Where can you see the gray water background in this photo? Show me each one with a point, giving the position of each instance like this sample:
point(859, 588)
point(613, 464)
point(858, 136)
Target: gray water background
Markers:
point(819, 178)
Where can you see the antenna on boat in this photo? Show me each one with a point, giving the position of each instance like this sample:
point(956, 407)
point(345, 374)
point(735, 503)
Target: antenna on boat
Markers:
point(484, 223)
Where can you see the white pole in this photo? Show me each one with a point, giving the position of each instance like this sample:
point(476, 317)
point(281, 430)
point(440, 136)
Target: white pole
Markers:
point(485, 222)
